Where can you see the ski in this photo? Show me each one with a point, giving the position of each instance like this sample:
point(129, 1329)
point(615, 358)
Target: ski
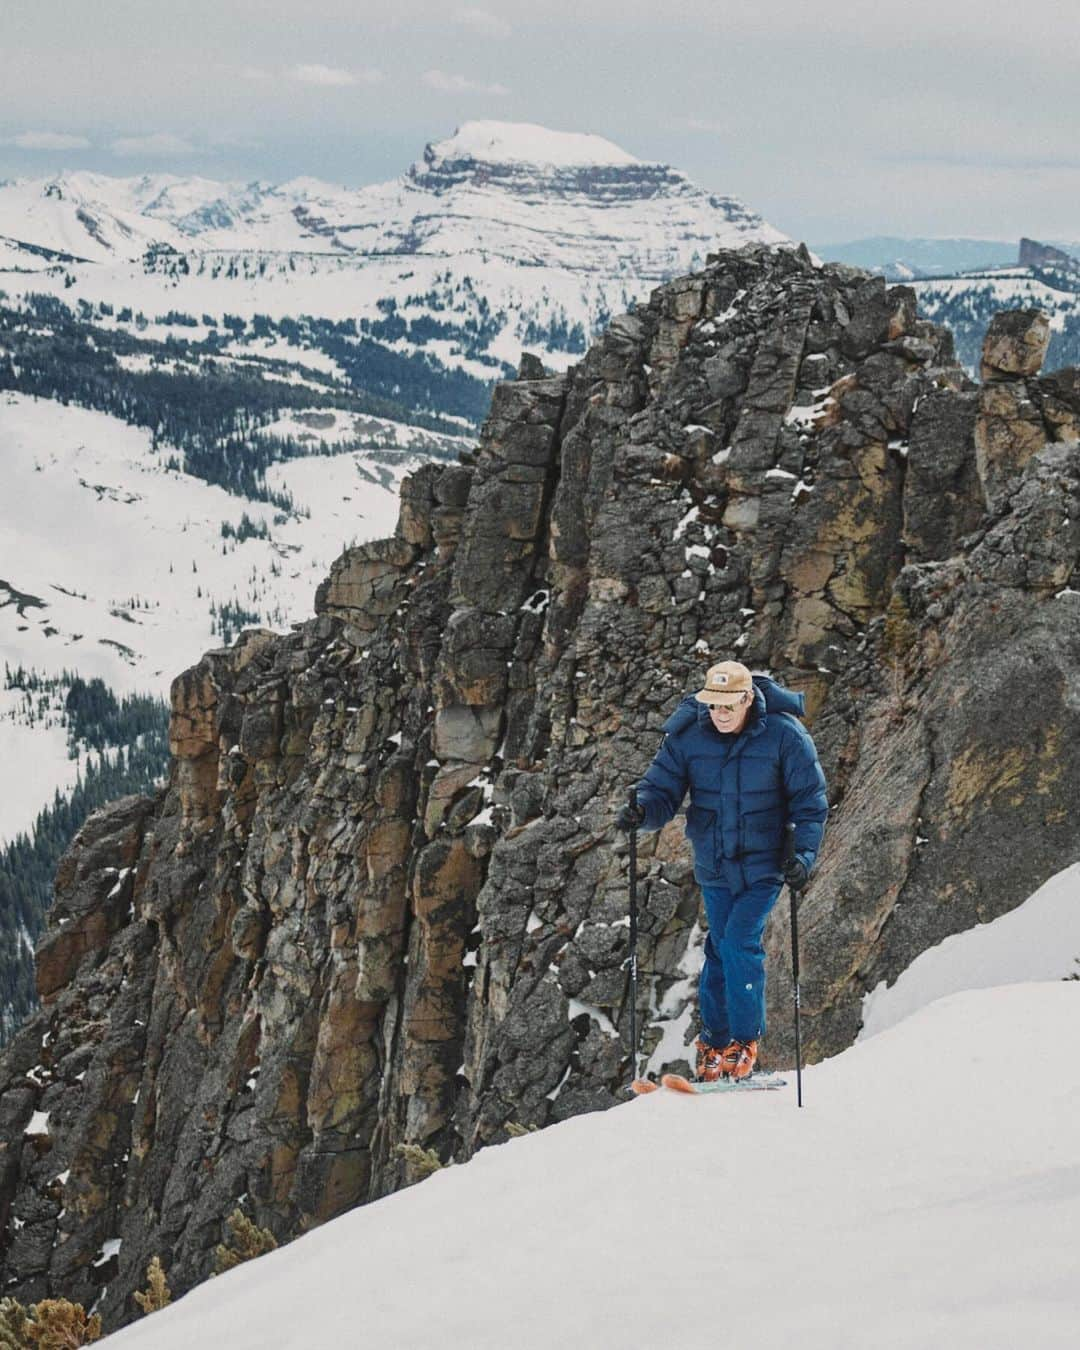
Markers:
point(675, 1082)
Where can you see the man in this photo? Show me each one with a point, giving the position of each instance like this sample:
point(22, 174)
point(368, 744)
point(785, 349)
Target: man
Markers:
point(751, 767)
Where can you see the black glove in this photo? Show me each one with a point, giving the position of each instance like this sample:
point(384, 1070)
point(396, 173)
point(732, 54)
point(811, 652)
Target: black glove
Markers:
point(796, 873)
point(629, 818)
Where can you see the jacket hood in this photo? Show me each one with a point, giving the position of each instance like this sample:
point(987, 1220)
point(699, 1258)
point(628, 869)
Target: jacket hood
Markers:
point(768, 697)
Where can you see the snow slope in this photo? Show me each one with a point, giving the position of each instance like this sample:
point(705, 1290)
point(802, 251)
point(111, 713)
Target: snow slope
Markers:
point(1039, 940)
point(125, 558)
point(1003, 288)
point(111, 565)
point(912, 1203)
point(34, 764)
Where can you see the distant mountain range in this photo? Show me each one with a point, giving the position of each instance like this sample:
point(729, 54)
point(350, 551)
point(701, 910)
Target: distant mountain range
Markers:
point(502, 237)
point(901, 259)
point(962, 283)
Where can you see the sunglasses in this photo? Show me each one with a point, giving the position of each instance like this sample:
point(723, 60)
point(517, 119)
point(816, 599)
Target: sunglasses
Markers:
point(728, 707)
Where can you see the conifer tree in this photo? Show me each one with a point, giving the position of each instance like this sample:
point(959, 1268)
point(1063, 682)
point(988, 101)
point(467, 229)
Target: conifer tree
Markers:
point(57, 1324)
point(246, 1241)
point(422, 1161)
point(14, 1325)
point(157, 1294)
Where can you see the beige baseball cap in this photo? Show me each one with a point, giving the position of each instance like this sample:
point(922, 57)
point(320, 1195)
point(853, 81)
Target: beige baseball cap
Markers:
point(725, 683)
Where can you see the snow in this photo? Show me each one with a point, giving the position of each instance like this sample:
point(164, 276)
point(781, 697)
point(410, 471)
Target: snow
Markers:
point(527, 143)
point(35, 757)
point(602, 1020)
point(109, 1249)
point(93, 511)
point(530, 238)
point(39, 1123)
point(91, 520)
point(1003, 288)
point(911, 1203)
point(1039, 940)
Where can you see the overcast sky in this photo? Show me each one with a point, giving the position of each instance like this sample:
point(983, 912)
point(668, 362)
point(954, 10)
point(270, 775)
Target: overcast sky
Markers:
point(834, 120)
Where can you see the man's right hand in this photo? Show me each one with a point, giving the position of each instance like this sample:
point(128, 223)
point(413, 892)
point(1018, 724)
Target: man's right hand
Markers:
point(795, 874)
point(629, 818)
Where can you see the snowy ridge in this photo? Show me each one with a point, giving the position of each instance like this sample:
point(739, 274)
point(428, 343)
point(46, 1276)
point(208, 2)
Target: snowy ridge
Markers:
point(507, 233)
point(912, 1203)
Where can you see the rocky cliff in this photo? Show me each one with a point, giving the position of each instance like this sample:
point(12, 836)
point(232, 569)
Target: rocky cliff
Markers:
point(381, 900)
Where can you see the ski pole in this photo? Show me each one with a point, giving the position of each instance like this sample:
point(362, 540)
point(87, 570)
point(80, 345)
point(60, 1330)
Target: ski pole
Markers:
point(789, 854)
point(633, 933)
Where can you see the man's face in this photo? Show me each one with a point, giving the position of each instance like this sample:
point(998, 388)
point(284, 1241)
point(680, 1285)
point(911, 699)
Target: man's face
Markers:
point(730, 717)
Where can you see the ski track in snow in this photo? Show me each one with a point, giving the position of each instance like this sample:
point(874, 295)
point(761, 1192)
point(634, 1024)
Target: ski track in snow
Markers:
point(911, 1204)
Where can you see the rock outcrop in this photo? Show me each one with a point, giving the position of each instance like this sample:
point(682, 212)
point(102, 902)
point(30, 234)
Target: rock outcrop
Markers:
point(1035, 254)
point(381, 901)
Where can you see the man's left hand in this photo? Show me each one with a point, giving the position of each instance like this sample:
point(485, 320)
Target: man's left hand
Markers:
point(796, 874)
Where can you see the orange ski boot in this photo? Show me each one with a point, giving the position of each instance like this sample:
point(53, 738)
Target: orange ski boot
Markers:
point(745, 1058)
point(709, 1062)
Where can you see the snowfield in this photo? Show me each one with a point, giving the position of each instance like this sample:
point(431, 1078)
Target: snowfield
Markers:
point(927, 1195)
point(113, 566)
point(34, 764)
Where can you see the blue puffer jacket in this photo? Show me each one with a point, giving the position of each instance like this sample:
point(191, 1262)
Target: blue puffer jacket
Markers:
point(743, 789)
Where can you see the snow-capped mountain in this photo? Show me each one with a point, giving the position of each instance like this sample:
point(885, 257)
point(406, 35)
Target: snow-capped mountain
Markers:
point(502, 236)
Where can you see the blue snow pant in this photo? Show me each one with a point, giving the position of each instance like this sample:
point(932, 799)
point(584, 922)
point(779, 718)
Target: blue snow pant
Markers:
point(732, 989)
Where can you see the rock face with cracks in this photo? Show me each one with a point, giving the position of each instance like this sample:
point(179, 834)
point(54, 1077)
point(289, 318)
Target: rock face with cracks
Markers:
point(381, 900)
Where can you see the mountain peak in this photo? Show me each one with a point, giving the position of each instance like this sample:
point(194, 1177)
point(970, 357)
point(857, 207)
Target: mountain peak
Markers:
point(526, 143)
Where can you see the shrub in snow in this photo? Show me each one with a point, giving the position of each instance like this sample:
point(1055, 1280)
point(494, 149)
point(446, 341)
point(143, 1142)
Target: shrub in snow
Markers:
point(245, 1242)
point(421, 1161)
point(52, 1324)
point(157, 1294)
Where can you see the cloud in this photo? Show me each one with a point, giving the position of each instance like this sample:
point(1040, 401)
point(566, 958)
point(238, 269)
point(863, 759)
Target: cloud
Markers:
point(480, 21)
point(458, 84)
point(46, 140)
point(254, 73)
point(160, 143)
point(329, 77)
point(233, 140)
point(704, 124)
